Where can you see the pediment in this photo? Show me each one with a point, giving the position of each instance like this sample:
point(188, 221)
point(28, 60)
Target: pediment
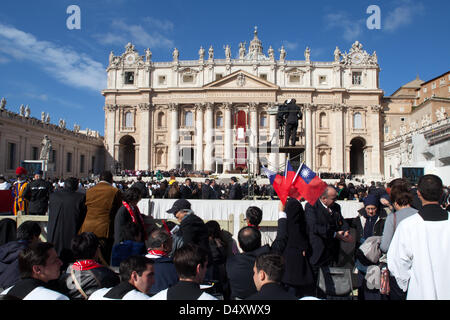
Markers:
point(241, 80)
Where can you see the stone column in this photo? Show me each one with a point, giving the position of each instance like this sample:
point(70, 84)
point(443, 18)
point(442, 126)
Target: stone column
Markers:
point(274, 163)
point(308, 136)
point(209, 132)
point(110, 134)
point(374, 125)
point(174, 159)
point(144, 162)
point(228, 137)
point(199, 137)
point(339, 122)
point(347, 158)
point(253, 138)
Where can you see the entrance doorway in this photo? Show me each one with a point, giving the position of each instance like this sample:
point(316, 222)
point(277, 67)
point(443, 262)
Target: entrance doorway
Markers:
point(357, 155)
point(127, 152)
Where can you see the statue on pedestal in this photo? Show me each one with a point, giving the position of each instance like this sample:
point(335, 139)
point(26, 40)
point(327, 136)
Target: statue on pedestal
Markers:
point(201, 53)
point(3, 104)
point(46, 148)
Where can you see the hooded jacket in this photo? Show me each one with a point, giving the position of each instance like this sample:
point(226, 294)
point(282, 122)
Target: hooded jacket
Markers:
point(9, 263)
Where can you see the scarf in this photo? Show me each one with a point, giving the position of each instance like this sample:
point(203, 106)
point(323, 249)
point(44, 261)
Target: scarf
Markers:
point(133, 215)
point(83, 265)
point(158, 253)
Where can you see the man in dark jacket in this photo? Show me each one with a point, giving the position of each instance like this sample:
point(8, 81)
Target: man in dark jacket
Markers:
point(325, 227)
point(292, 115)
point(240, 267)
point(267, 274)
point(67, 210)
point(235, 191)
point(27, 233)
point(142, 186)
point(38, 193)
point(186, 189)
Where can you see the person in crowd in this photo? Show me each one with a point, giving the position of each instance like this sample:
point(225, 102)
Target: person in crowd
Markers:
point(342, 191)
point(216, 192)
point(298, 276)
point(218, 247)
point(174, 191)
point(192, 228)
point(27, 233)
point(4, 184)
point(253, 218)
point(130, 243)
point(187, 190)
point(206, 190)
point(66, 213)
point(160, 247)
point(18, 190)
point(129, 213)
point(142, 186)
point(102, 202)
point(268, 272)
point(326, 228)
point(38, 192)
point(239, 268)
point(38, 265)
point(136, 279)
point(86, 275)
point(235, 191)
point(191, 265)
point(418, 256)
point(352, 191)
point(369, 222)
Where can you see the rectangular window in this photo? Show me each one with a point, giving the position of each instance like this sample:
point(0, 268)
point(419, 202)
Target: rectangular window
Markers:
point(53, 156)
point(129, 77)
point(425, 90)
point(69, 162)
point(294, 78)
point(433, 85)
point(218, 138)
point(82, 163)
point(356, 78)
point(11, 156)
point(219, 76)
point(322, 79)
point(162, 80)
point(34, 153)
point(263, 76)
point(92, 163)
point(188, 78)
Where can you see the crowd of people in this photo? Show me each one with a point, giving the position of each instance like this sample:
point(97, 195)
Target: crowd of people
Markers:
point(100, 247)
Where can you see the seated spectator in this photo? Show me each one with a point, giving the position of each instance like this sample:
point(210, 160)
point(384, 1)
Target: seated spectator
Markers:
point(239, 268)
point(267, 274)
point(86, 275)
point(129, 213)
point(191, 264)
point(4, 184)
point(253, 217)
point(160, 246)
point(136, 279)
point(130, 244)
point(38, 265)
point(27, 233)
point(219, 250)
point(174, 191)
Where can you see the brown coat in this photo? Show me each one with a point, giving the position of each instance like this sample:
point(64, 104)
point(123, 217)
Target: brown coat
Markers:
point(102, 202)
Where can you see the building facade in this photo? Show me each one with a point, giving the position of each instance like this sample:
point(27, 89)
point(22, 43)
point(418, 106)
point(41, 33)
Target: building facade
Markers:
point(73, 152)
point(417, 129)
point(212, 114)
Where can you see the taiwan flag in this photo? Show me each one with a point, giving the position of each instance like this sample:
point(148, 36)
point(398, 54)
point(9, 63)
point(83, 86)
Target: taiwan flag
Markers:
point(307, 185)
point(278, 182)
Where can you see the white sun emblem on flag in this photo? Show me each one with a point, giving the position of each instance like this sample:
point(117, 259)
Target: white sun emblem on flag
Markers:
point(305, 173)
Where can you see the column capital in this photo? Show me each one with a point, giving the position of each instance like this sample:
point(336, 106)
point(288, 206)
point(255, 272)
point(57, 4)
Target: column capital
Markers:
point(173, 106)
point(227, 106)
point(253, 106)
point(199, 106)
point(111, 107)
point(376, 108)
point(145, 106)
point(209, 106)
point(310, 107)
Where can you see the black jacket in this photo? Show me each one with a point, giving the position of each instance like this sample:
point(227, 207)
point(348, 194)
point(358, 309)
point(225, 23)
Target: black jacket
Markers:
point(66, 214)
point(235, 192)
point(292, 113)
point(185, 192)
point(143, 187)
point(9, 263)
point(38, 193)
point(272, 291)
point(297, 268)
point(321, 228)
point(165, 274)
point(193, 230)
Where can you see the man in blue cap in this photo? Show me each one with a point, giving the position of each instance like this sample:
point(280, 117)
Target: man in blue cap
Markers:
point(38, 193)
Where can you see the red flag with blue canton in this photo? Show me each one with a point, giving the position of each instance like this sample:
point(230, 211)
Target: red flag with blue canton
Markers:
point(307, 185)
point(278, 183)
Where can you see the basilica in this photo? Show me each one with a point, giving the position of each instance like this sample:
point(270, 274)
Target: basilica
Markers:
point(219, 114)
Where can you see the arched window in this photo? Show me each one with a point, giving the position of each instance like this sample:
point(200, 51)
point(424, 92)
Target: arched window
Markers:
point(219, 119)
point(160, 157)
point(263, 119)
point(323, 159)
point(161, 120)
point(357, 121)
point(188, 119)
point(129, 120)
point(323, 120)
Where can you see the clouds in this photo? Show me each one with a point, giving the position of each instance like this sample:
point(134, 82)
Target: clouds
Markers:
point(349, 27)
point(150, 33)
point(63, 63)
point(402, 15)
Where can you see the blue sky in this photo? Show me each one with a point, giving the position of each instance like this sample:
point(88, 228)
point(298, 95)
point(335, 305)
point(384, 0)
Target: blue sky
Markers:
point(61, 71)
